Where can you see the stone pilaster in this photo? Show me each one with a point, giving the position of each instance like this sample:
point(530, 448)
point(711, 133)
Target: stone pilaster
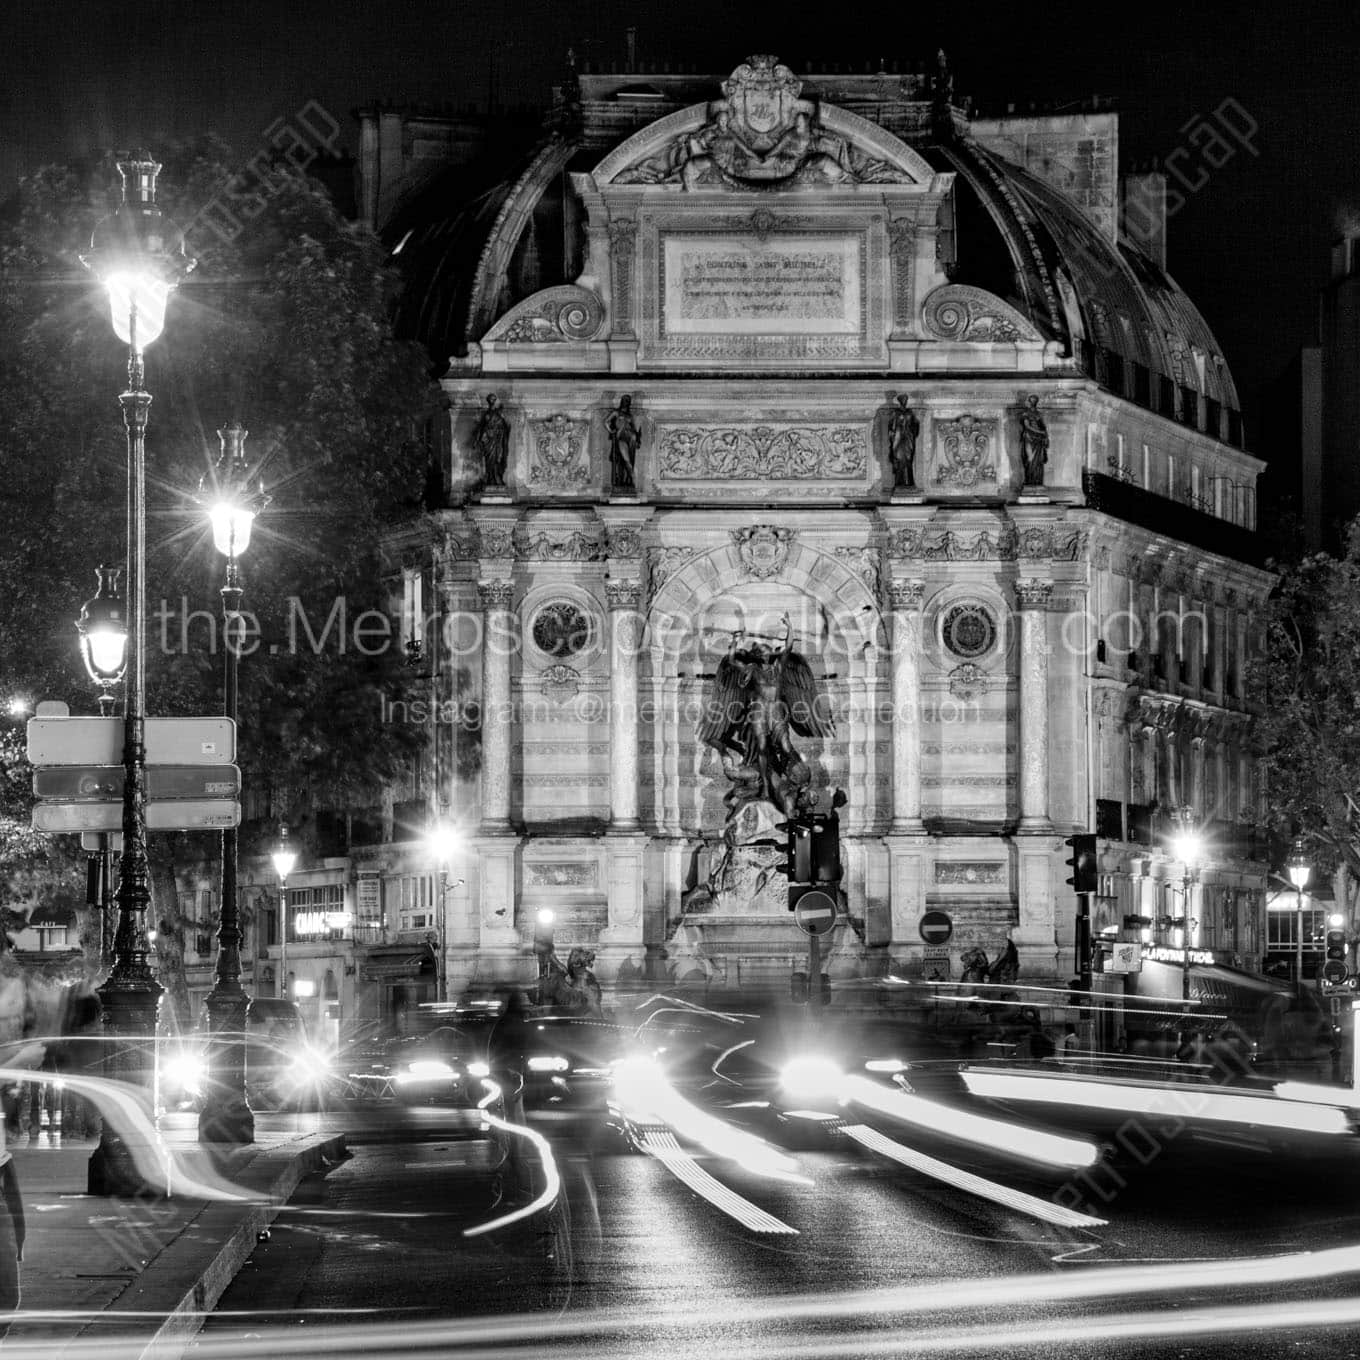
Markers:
point(497, 721)
point(625, 630)
point(1032, 600)
point(906, 711)
point(907, 896)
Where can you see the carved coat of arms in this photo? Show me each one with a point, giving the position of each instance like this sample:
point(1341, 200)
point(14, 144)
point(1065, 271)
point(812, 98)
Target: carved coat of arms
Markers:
point(763, 549)
point(965, 449)
point(558, 446)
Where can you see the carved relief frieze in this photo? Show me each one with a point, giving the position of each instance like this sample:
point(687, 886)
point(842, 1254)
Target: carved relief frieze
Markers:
point(968, 871)
point(964, 452)
point(560, 682)
point(763, 549)
point(762, 452)
point(576, 546)
point(560, 452)
point(567, 313)
point(495, 541)
point(461, 547)
point(575, 874)
point(1048, 544)
point(956, 311)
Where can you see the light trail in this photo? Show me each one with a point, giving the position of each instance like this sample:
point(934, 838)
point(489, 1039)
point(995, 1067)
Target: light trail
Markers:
point(552, 1180)
point(661, 1144)
point(965, 1180)
point(1176, 1099)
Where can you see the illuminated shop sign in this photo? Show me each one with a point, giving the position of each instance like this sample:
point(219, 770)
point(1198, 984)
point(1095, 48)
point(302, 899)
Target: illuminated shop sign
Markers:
point(320, 922)
point(1162, 953)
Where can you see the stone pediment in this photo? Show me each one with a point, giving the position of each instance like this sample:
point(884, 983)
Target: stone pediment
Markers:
point(763, 135)
point(556, 315)
point(959, 312)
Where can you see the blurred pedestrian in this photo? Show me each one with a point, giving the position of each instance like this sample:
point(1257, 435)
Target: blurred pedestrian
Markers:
point(11, 1235)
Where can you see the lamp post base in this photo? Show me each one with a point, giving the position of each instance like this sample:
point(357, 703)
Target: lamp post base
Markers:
point(226, 1116)
point(131, 1005)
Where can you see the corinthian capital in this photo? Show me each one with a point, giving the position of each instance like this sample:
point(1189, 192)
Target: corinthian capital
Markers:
point(906, 595)
point(495, 594)
point(1033, 594)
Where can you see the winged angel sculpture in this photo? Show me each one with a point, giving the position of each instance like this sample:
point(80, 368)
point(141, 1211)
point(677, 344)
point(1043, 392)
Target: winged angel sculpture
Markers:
point(761, 695)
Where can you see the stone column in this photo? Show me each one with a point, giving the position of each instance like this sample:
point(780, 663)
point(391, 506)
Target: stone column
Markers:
point(624, 636)
point(1032, 600)
point(497, 724)
point(906, 706)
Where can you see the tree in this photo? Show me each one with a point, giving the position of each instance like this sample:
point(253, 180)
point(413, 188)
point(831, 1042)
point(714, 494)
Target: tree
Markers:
point(1307, 688)
point(284, 328)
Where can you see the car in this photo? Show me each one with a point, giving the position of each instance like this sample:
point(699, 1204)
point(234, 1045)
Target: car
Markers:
point(284, 1069)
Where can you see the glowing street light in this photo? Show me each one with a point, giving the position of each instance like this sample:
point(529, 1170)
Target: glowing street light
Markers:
point(1300, 870)
point(285, 860)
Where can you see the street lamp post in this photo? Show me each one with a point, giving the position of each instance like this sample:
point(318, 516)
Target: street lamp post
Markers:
point(226, 1115)
point(443, 842)
point(102, 626)
point(1299, 869)
point(285, 857)
point(138, 255)
point(1187, 847)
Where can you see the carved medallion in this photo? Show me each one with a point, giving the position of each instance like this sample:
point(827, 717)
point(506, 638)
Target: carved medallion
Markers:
point(554, 316)
point(967, 682)
point(560, 683)
point(964, 451)
point(559, 452)
point(959, 312)
point(624, 540)
point(763, 549)
point(754, 453)
point(968, 630)
point(561, 629)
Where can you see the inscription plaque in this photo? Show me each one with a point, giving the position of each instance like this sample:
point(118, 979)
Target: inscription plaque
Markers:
point(782, 285)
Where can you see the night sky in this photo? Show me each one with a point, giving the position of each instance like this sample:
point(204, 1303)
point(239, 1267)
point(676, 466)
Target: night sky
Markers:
point(1250, 246)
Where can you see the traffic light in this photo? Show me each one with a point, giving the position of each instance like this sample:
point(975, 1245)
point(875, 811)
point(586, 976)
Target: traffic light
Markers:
point(825, 989)
point(1334, 968)
point(1083, 863)
point(826, 848)
point(798, 987)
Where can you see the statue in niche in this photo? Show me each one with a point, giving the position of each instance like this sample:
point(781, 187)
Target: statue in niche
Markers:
point(1033, 442)
point(624, 438)
point(903, 427)
point(761, 132)
point(761, 694)
point(492, 438)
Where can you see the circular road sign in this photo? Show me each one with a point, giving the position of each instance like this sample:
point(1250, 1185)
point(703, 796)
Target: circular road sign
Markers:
point(815, 912)
point(936, 927)
point(1334, 971)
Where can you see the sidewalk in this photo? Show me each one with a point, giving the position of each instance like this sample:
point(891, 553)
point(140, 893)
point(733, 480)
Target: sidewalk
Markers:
point(126, 1278)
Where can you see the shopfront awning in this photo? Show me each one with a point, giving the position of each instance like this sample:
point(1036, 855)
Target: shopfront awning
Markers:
point(394, 962)
point(1219, 985)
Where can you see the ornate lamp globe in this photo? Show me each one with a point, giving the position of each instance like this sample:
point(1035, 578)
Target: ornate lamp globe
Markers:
point(231, 500)
point(443, 841)
point(1186, 844)
point(1297, 866)
point(284, 856)
point(103, 630)
point(138, 254)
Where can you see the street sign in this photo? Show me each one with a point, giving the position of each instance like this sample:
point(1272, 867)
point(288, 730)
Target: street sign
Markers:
point(179, 814)
point(96, 782)
point(99, 741)
point(815, 912)
point(93, 841)
point(936, 927)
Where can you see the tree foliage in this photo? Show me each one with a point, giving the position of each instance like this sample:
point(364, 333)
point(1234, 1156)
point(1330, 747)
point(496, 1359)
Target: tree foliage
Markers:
point(285, 329)
point(1307, 686)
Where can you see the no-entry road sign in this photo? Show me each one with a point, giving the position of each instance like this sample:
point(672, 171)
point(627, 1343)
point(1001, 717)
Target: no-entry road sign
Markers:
point(101, 782)
point(815, 912)
point(99, 741)
point(178, 814)
point(936, 927)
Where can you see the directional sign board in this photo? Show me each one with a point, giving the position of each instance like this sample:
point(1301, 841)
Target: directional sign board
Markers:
point(180, 814)
point(99, 782)
point(815, 912)
point(99, 741)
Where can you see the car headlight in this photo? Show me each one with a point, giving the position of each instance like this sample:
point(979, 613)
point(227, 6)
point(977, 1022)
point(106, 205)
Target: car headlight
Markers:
point(184, 1071)
point(308, 1068)
point(812, 1080)
point(548, 1063)
point(426, 1069)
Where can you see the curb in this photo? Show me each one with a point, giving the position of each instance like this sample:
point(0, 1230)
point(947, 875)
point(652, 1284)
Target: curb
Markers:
point(196, 1268)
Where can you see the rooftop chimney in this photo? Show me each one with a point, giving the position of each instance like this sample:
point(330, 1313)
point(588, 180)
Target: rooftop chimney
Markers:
point(1142, 213)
